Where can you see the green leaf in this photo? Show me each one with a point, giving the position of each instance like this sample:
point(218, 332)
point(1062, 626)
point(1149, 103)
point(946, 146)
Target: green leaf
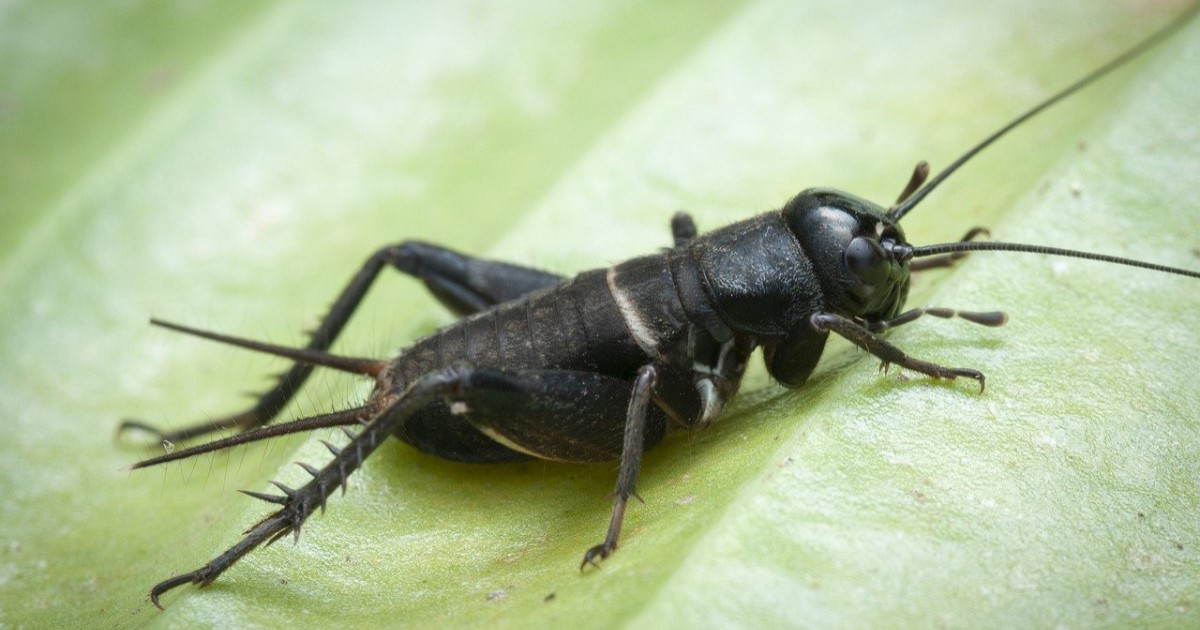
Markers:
point(230, 165)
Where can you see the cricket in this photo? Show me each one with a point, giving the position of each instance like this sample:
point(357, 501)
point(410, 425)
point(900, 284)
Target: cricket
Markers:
point(602, 365)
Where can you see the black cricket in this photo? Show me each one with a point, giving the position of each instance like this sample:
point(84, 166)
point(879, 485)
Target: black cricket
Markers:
point(600, 366)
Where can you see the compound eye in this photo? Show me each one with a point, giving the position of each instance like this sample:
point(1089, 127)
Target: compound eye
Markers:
point(866, 258)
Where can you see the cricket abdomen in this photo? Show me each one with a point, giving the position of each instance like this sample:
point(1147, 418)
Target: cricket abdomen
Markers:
point(573, 326)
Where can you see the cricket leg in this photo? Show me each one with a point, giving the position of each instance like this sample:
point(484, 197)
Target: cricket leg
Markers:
point(462, 283)
point(631, 464)
point(886, 352)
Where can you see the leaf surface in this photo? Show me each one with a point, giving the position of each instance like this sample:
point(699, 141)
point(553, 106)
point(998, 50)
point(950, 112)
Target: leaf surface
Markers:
point(231, 168)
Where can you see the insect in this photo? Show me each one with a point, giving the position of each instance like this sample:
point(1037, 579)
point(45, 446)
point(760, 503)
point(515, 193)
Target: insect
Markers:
point(600, 366)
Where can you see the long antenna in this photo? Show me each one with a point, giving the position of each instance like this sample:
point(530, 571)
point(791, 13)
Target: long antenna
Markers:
point(993, 246)
point(902, 209)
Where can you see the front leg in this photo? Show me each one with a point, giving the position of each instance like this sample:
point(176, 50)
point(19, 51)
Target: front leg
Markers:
point(886, 352)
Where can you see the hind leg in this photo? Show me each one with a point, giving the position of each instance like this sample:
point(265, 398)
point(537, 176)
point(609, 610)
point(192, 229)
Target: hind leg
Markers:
point(464, 284)
point(467, 285)
point(564, 415)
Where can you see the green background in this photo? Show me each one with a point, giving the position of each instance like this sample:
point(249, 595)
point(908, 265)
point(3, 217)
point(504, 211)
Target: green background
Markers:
point(229, 165)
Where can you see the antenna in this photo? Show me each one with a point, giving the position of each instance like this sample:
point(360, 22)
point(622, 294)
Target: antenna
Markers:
point(901, 209)
point(993, 246)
